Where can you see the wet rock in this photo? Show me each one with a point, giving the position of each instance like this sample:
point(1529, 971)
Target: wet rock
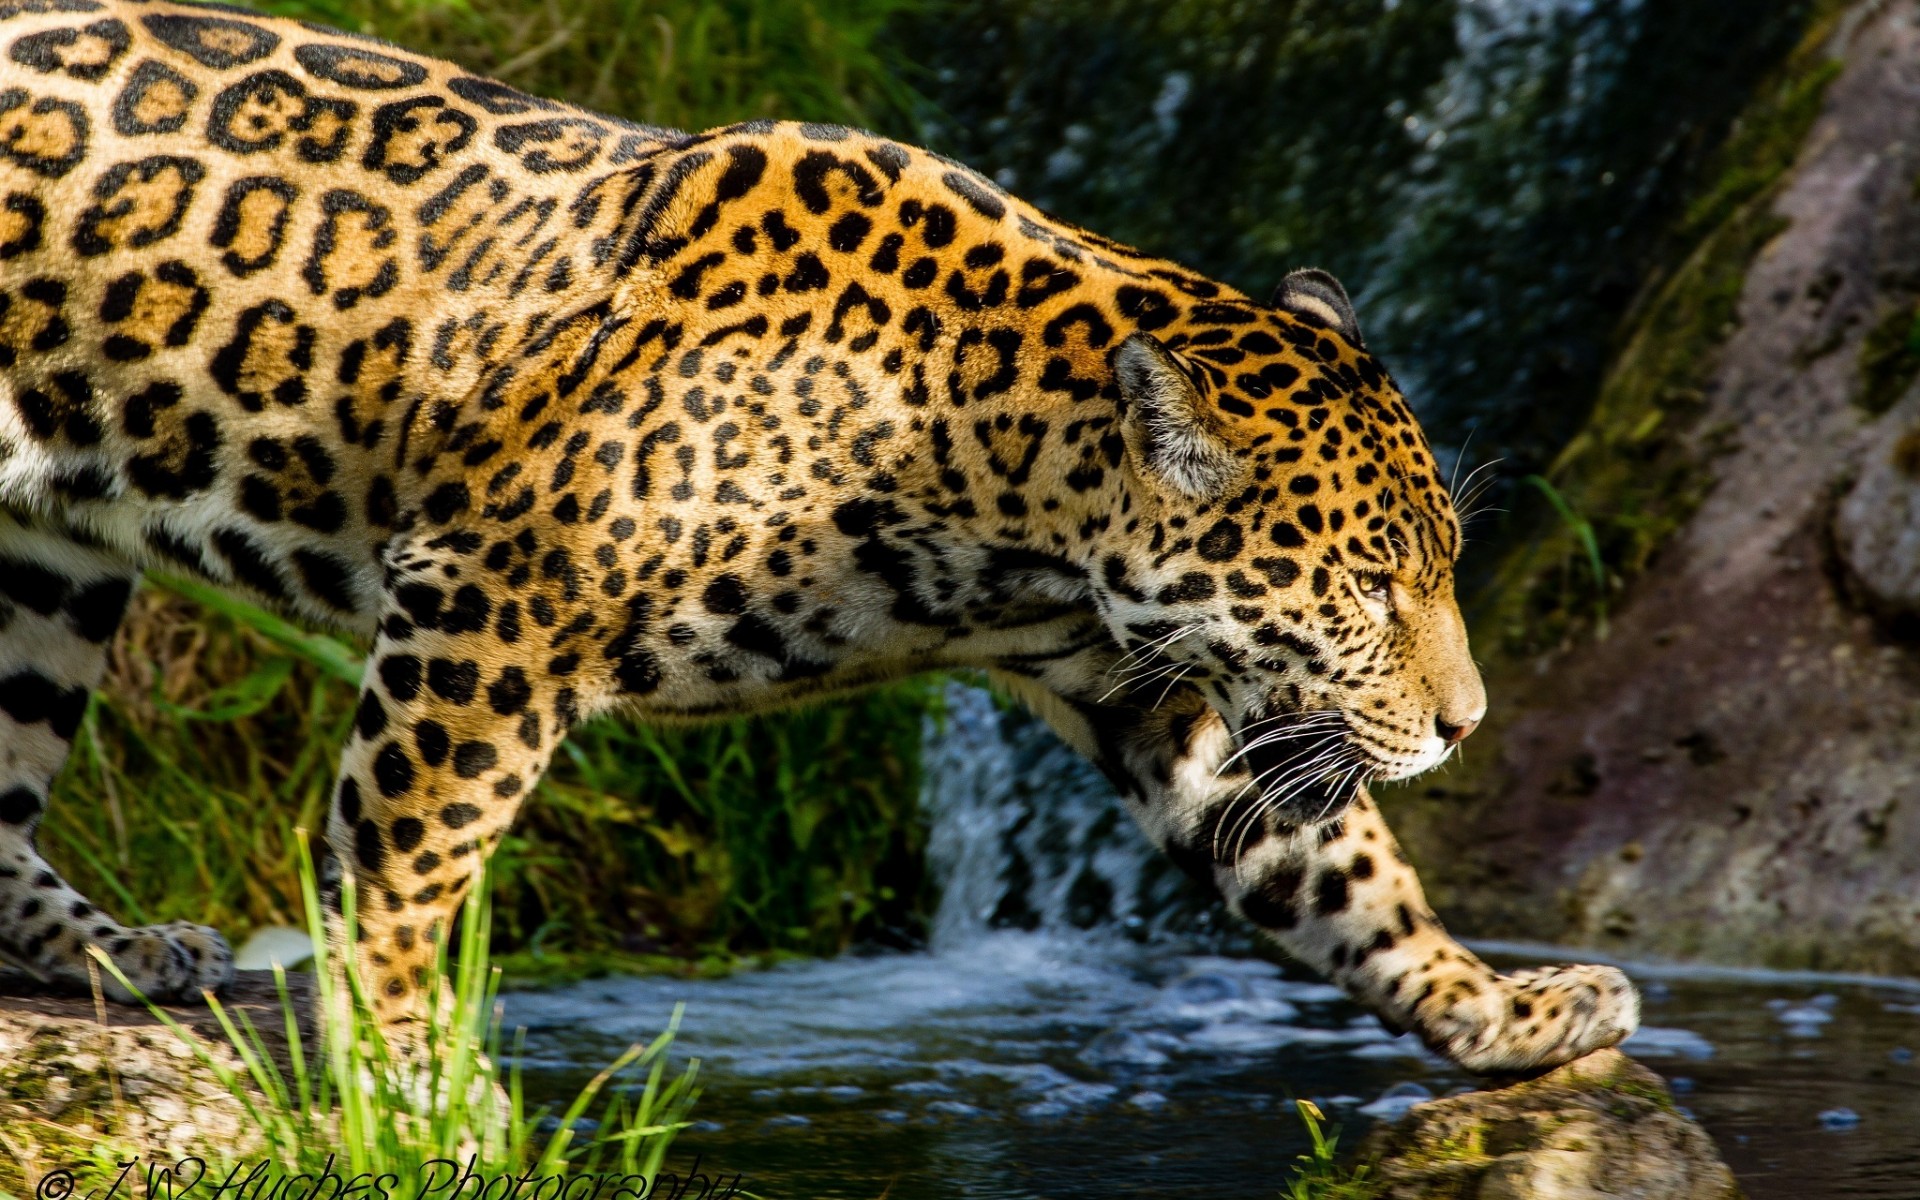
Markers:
point(1604, 1126)
point(74, 1074)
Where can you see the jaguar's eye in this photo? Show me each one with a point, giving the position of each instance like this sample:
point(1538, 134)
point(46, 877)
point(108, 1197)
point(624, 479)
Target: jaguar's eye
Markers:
point(1376, 586)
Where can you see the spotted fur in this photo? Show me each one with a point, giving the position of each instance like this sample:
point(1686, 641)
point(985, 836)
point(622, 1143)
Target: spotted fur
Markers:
point(568, 414)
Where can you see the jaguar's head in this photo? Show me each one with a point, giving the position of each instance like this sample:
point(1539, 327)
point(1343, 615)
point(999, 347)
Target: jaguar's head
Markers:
point(1289, 547)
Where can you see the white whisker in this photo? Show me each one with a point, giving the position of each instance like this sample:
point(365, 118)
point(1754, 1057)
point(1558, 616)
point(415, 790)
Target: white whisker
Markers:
point(1150, 647)
point(1354, 777)
point(1147, 675)
point(1173, 683)
point(1302, 727)
point(1459, 458)
point(1273, 792)
point(1271, 799)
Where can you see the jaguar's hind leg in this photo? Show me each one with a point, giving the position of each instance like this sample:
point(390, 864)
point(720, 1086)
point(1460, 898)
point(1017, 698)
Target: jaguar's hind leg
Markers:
point(59, 603)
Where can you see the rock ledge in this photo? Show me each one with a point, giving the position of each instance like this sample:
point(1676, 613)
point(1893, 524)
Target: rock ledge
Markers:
point(75, 1075)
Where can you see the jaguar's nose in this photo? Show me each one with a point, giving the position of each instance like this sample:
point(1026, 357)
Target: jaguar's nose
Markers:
point(1453, 734)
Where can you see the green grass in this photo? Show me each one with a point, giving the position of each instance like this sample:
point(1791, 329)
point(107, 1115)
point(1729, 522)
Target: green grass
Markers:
point(689, 64)
point(340, 1101)
point(1319, 1174)
point(219, 725)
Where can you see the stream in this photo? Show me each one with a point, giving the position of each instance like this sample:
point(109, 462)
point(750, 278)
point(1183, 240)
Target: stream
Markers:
point(1078, 1028)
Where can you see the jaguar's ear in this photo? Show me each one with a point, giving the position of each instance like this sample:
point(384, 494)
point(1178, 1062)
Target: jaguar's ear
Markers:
point(1317, 297)
point(1168, 425)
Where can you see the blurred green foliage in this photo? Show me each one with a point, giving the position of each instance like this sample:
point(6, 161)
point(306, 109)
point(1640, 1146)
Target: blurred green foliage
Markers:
point(687, 64)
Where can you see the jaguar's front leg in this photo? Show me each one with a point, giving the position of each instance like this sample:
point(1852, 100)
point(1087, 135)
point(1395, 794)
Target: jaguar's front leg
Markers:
point(454, 727)
point(1340, 896)
point(1337, 893)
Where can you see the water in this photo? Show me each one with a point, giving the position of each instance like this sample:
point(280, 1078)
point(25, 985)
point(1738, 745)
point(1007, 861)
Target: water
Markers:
point(1079, 1028)
point(1027, 834)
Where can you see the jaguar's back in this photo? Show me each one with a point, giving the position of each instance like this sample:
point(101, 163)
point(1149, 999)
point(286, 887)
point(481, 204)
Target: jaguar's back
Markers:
point(247, 267)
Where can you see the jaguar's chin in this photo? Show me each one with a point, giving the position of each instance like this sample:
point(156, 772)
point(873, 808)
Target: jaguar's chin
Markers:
point(1391, 768)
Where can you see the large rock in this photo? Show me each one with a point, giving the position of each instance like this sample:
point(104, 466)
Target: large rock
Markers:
point(1597, 1129)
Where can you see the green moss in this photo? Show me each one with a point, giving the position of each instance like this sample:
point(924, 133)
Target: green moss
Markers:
point(1465, 1147)
point(92, 1152)
point(86, 1134)
point(1630, 477)
point(1655, 1096)
point(1889, 359)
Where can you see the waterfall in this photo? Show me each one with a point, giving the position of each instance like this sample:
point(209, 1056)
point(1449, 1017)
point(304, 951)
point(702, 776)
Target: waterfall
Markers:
point(1510, 147)
point(1027, 835)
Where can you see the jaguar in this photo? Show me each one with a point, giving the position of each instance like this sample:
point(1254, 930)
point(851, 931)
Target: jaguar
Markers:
point(564, 414)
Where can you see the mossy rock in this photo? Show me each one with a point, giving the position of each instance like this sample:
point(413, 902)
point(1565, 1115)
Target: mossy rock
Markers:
point(85, 1085)
point(1603, 1126)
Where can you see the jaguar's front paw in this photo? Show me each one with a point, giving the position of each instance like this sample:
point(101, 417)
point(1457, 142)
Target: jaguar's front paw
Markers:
point(178, 961)
point(1532, 1020)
